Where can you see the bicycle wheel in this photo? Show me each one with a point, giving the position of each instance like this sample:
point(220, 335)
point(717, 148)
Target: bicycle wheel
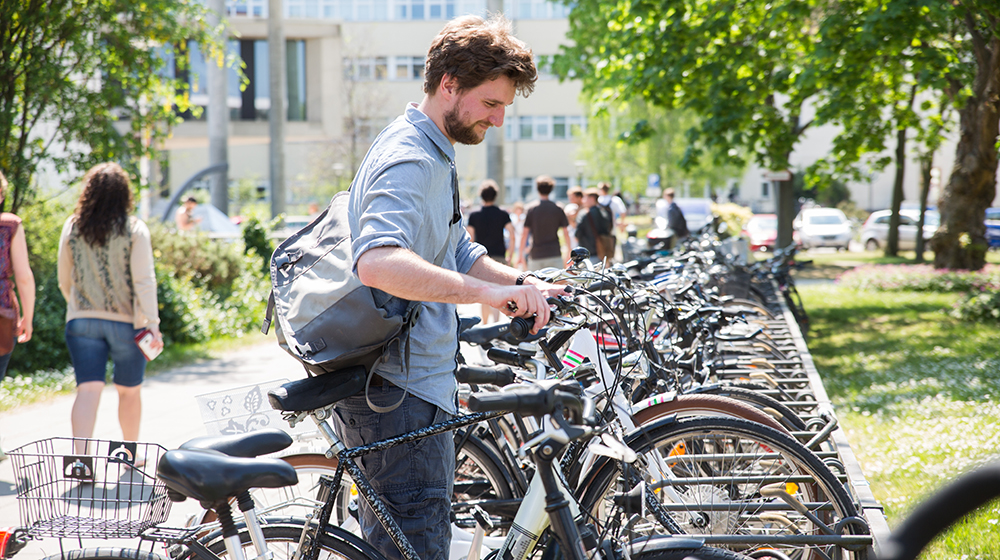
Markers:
point(789, 419)
point(302, 496)
point(481, 480)
point(703, 553)
point(687, 406)
point(283, 535)
point(709, 475)
point(106, 553)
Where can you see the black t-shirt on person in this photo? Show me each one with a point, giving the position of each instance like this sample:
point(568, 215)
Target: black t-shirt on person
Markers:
point(488, 223)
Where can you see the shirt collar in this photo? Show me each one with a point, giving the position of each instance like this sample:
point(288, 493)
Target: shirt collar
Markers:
point(418, 119)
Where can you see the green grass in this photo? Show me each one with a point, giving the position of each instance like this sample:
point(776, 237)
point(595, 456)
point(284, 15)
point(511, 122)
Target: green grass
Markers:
point(25, 389)
point(918, 393)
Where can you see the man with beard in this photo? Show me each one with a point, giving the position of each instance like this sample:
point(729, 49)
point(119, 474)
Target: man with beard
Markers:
point(409, 245)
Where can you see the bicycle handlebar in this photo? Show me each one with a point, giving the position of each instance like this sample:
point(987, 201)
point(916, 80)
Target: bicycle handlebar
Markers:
point(527, 401)
point(496, 375)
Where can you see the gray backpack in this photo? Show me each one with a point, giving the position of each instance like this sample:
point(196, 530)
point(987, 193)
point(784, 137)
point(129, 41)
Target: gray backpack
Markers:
point(326, 318)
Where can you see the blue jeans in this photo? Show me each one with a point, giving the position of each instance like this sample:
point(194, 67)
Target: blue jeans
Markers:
point(92, 341)
point(415, 480)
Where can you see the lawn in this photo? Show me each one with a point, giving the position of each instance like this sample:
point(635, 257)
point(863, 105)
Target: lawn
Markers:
point(918, 393)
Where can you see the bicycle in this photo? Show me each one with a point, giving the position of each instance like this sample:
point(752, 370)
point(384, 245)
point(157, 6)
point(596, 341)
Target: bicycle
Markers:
point(107, 492)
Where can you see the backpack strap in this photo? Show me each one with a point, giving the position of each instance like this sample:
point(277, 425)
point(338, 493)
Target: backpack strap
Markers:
point(413, 309)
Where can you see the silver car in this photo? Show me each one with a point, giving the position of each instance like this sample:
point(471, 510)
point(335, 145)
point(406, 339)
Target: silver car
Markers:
point(875, 232)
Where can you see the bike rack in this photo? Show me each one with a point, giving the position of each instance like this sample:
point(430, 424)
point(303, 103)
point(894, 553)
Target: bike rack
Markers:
point(868, 508)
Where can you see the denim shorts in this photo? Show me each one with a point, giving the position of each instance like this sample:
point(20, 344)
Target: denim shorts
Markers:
point(415, 480)
point(92, 341)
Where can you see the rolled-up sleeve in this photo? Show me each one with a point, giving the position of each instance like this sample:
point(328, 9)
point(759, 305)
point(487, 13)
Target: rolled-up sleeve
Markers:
point(467, 252)
point(389, 214)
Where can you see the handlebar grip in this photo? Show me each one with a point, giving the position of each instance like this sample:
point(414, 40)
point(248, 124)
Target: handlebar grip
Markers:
point(513, 401)
point(520, 328)
point(529, 401)
point(498, 375)
point(601, 286)
point(506, 357)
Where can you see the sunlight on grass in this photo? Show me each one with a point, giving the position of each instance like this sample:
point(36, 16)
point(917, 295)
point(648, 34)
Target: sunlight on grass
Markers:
point(918, 393)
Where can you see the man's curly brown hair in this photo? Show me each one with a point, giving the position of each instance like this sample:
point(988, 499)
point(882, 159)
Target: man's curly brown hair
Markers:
point(105, 203)
point(473, 51)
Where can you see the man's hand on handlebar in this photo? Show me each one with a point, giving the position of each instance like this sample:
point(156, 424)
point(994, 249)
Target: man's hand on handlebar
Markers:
point(528, 300)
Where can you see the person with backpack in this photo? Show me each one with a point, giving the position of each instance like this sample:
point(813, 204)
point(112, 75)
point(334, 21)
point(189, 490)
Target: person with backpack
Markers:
point(409, 245)
point(593, 227)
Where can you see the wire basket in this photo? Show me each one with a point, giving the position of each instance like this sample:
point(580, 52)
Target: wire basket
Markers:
point(244, 409)
point(89, 488)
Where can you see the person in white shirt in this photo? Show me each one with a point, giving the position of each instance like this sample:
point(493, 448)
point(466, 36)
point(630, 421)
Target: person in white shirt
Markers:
point(615, 203)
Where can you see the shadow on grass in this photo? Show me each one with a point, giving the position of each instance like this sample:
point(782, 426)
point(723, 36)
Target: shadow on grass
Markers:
point(875, 350)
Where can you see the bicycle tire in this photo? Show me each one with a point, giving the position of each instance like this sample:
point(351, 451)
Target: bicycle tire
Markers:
point(282, 538)
point(703, 553)
point(789, 419)
point(106, 553)
point(694, 451)
point(481, 479)
point(308, 467)
point(685, 406)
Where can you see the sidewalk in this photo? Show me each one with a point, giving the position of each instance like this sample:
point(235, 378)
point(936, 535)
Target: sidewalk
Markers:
point(170, 416)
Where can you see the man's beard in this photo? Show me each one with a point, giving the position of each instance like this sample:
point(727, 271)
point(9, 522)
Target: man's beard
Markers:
point(459, 131)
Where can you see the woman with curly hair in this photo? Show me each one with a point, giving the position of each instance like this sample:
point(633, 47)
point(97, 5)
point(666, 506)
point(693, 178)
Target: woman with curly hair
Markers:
point(106, 275)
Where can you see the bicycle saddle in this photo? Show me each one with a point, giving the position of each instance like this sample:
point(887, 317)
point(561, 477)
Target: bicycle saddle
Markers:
point(212, 477)
point(317, 392)
point(250, 444)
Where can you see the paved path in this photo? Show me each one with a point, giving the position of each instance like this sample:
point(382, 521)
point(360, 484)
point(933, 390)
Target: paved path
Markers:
point(170, 416)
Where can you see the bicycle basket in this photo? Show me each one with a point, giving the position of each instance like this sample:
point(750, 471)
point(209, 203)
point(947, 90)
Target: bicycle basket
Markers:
point(100, 493)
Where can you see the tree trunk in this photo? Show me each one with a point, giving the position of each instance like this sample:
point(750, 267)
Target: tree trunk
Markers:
point(960, 243)
point(892, 243)
point(926, 162)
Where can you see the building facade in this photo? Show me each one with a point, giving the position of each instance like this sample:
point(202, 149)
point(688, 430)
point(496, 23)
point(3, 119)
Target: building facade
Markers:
point(352, 66)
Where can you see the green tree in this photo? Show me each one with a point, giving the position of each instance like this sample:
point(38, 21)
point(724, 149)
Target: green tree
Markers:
point(84, 82)
point(628, 142)
point(740, 66)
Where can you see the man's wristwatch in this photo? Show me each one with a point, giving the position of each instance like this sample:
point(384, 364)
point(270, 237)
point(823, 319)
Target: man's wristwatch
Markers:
point(524, 276)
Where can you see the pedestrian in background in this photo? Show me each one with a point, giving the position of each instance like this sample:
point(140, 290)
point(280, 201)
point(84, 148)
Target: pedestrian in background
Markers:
point(486, 227)
point(106, 275)
point(572, 209)
point(14, 270)
point(543, 222)
point(593, 228)
point(672, 213)
point(517, 220)
point(613, 202)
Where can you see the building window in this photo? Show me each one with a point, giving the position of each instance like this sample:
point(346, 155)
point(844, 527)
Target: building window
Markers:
point(538, 9)
point(368, 10)
point(765, 188)
point(544, 127)
point(254, 102)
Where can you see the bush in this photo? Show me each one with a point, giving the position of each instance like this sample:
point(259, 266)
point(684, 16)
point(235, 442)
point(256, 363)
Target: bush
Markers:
point(43, 223)
point(207, 262)
point(978, 307)
point(256, 242)
point(921, 278)
point(735, 217)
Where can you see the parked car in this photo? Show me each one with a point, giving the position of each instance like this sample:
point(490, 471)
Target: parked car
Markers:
point(762, 232)
point(875, 232)
point(993, 227)
point(697, 212)
point(823, 227)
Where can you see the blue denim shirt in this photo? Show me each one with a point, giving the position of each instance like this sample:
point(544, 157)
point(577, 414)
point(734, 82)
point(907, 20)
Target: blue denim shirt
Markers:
point(402, 197)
